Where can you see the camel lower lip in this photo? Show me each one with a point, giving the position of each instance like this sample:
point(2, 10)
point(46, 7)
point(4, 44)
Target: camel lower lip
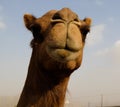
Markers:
point(62, 54)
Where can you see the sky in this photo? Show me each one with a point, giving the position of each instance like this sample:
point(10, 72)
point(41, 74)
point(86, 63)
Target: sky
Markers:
point(99, 73)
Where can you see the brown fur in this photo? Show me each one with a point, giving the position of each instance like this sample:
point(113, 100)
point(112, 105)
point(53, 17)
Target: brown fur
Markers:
point(58, 42)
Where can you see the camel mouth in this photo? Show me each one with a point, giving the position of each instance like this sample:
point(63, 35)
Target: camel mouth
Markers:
point(63, 54)
point(67, 45)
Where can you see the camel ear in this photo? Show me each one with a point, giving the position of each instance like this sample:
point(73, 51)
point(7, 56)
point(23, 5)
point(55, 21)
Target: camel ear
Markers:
point(85, 28)
point(29, 20)
point(88, 21)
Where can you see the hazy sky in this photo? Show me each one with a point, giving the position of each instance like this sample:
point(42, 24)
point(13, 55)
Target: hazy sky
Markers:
point(100, 70)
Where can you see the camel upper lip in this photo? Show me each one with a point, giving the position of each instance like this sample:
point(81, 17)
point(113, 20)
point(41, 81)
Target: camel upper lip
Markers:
point(71, 49)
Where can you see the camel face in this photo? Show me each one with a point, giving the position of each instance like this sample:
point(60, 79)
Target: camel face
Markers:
point(64, 38)
point(59, 36)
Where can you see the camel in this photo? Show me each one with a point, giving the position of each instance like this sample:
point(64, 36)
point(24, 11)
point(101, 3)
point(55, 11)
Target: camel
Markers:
point(57, 50)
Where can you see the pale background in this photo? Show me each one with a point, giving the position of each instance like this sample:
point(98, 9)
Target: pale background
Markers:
point(99, 75)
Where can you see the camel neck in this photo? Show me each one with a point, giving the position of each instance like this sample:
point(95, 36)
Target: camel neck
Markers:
point(41, 90)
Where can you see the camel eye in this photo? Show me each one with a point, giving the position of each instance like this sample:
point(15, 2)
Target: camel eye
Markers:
point(84, 33)
point(34, 27)
point(35, 30)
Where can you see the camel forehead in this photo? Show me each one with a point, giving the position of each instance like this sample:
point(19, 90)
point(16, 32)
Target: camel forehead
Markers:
point(64, 12)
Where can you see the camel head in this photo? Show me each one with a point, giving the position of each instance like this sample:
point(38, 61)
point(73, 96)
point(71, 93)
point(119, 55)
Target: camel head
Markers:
point(58, 40)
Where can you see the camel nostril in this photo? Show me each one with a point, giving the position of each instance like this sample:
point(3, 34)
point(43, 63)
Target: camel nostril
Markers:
point(76, 19)
point(56, 16)
point(57, 19)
